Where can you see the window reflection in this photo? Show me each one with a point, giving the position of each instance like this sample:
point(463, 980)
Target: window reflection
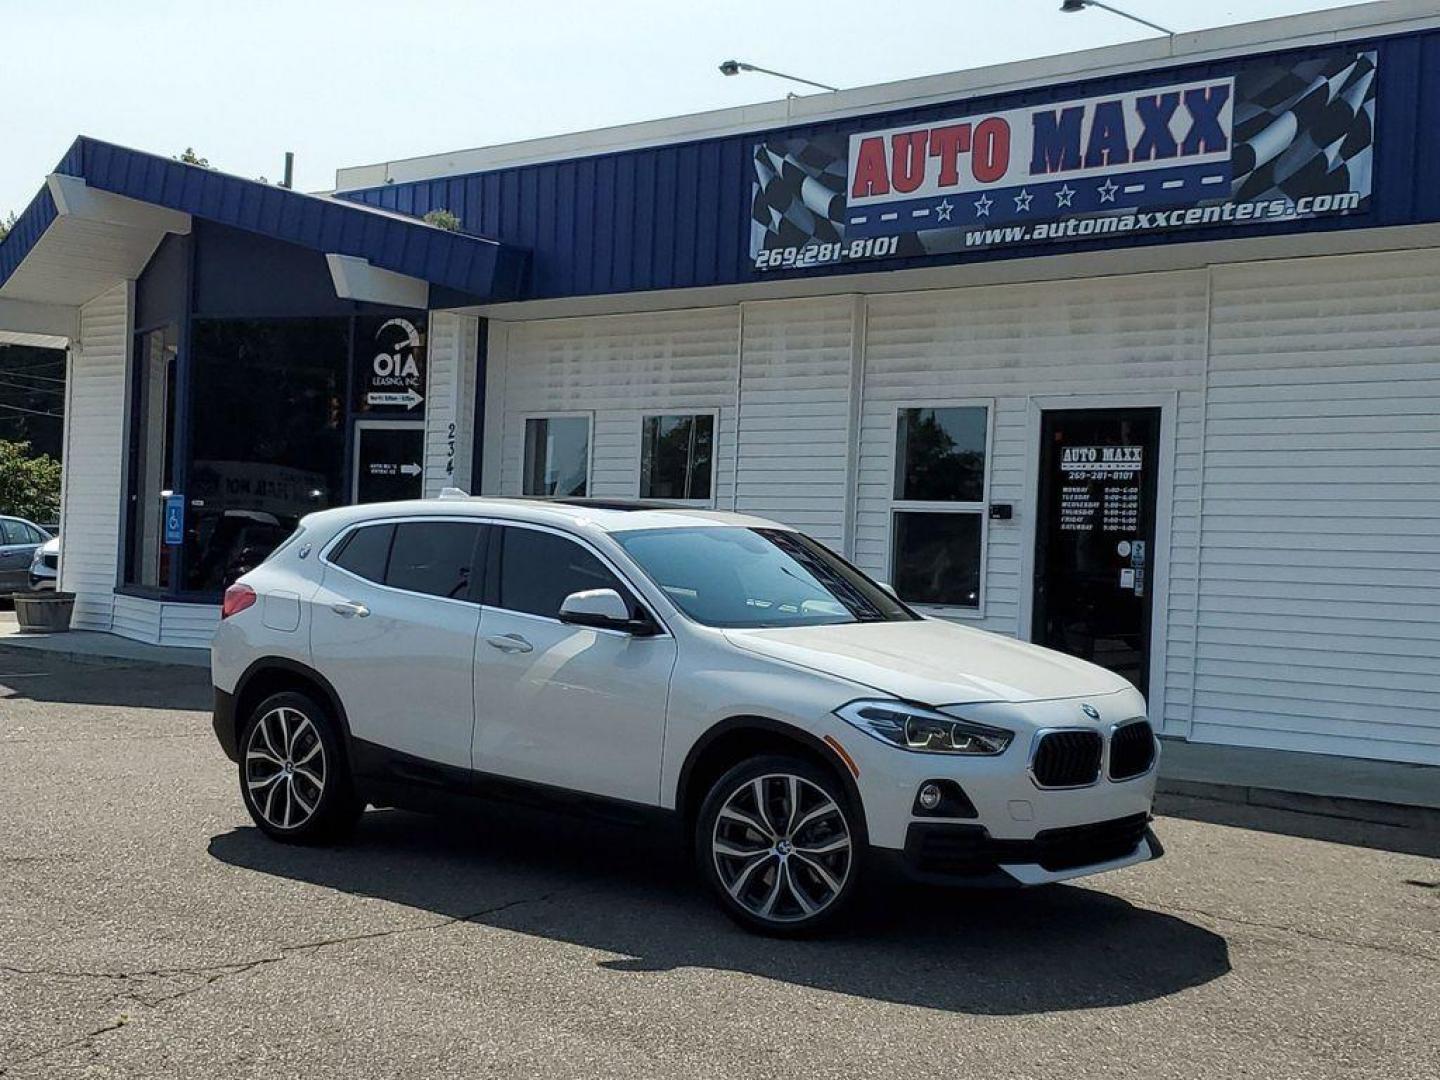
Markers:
point(675, 457)
point(152, 434)
point(267, 439)
point(557, 456)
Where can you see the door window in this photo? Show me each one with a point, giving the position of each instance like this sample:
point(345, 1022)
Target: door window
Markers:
point(433, 557)
point(938, 512)
point(389, 462)
point(557, 456)
point(1095, 536)
point(533, 571)
point(13, 532)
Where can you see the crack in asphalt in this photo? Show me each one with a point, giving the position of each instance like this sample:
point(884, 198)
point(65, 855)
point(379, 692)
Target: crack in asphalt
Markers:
point(214, 973)
point(1313, 935)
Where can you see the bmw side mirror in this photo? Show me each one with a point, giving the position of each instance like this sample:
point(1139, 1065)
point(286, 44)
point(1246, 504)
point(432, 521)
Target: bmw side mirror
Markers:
point(603, 609)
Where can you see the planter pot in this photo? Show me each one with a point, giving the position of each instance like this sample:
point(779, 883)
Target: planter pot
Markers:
point(44, 612)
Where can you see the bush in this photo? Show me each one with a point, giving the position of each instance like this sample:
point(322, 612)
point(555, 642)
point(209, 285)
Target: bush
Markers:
point(29, 486)
point(442, 219)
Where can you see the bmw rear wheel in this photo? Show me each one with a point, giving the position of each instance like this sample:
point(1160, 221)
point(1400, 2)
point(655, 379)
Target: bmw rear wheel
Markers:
point(780, 845)
point(293, 775)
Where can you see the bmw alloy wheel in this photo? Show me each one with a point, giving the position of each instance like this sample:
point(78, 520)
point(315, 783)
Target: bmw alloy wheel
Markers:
point(285, 768)
point(782, 848)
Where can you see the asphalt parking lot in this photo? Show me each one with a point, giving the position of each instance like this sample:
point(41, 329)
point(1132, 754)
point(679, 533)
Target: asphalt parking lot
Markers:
point(146, 929)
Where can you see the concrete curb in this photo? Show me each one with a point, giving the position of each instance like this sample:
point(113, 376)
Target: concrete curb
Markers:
point(1332, 806)
point(31, 647)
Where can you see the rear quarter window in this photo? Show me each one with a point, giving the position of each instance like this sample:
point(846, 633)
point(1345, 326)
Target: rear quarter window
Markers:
point(365, 552)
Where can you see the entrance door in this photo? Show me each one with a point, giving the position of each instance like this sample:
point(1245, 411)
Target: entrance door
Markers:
point(1095, 536)
point(389, 461)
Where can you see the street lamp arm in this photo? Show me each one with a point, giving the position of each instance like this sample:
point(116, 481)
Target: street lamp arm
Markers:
point(1127, 15)
point(730, 67)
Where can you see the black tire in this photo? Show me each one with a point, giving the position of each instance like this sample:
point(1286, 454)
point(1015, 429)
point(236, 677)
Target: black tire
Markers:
point(785, 868)
point(278, 775)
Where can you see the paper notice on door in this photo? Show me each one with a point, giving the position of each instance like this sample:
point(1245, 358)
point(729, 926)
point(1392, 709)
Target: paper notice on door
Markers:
point(1127, 578)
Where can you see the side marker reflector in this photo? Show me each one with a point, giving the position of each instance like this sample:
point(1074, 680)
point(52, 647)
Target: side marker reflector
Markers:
point(834, 744)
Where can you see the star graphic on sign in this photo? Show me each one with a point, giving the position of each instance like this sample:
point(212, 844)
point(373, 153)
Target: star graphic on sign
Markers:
point(982, 206)
point(1064, 195)
point(1022, 201)
point(1107, 190)
point(942, 210)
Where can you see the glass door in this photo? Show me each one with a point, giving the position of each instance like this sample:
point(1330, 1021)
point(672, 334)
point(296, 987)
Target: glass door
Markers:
point(1095, 536)
point(389, 461)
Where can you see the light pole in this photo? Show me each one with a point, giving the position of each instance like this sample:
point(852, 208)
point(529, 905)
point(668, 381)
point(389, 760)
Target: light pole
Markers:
point(734, 67)
point(1072, 6)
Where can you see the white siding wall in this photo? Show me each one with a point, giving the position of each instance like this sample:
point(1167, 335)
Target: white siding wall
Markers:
point(94, 477)
point(449, 400)
point(1142, 335)
point(795, 393)
point(1297, 599)
point(620, 367)
point(1319, 621)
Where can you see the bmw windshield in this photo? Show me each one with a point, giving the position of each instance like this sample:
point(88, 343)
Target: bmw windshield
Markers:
point(730, 577)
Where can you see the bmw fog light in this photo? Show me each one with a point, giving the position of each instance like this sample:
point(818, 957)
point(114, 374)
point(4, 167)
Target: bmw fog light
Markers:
point(930, 796)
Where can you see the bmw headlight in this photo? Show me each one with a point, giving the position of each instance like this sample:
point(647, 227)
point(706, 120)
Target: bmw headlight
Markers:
point(913, 727)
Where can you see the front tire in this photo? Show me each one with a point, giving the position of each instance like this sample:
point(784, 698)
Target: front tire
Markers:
point(293, 774)
point(780, 845)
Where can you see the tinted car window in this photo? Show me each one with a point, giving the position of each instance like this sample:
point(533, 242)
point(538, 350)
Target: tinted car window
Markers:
point(537, 570)
point(433, 557)
point(37, 535)
point(366, 552)
point(14, 532)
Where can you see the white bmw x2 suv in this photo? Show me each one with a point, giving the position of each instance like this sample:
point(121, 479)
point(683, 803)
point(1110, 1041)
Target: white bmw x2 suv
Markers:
point(729, 675)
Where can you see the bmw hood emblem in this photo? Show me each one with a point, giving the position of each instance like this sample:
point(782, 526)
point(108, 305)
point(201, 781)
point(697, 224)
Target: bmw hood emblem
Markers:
point(1090, 711)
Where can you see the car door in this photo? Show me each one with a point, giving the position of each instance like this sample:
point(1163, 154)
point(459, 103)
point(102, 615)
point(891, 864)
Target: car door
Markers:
point(564, 705)
point(393, 629)
point(17, 547)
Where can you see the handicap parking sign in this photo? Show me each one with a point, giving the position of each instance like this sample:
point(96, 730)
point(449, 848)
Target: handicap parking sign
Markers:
point(174, 520)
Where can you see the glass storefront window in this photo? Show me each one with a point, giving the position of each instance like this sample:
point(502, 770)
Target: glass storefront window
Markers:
point(267, 442)
point(152, 436)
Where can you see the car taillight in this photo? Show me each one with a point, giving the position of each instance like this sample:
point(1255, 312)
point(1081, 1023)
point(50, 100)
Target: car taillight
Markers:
point(237, 599)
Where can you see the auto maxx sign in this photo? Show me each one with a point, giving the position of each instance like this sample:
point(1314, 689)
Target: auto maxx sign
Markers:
point(1266, 142)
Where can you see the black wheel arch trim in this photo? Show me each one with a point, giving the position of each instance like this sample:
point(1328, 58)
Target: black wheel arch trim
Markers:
point(769, 726)
point(267, 664)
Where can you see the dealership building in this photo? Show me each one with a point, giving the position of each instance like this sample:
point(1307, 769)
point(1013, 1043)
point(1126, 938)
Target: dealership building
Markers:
point(1132, 352)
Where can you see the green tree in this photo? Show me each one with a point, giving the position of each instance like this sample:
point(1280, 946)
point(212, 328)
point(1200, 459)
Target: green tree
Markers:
point(29, 485)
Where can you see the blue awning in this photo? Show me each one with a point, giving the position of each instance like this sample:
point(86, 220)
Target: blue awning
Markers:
point(476, 268)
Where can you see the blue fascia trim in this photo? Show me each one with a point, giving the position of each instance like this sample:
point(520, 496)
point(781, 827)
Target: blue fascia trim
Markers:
point(482, 269)
point(26, 233)
point(676, 215)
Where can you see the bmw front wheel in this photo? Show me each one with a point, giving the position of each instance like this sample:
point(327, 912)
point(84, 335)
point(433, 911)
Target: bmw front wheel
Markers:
point(780, 845)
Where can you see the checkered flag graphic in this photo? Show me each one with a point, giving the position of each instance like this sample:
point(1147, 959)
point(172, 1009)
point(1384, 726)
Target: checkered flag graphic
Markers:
point(1305, 128)
point(798, 192)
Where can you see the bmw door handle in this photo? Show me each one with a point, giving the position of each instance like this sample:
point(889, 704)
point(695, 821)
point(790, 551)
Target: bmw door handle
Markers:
point(350, 609)
point(509, 643)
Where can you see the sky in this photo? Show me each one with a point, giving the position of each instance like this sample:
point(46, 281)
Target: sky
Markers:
point(364, 81)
